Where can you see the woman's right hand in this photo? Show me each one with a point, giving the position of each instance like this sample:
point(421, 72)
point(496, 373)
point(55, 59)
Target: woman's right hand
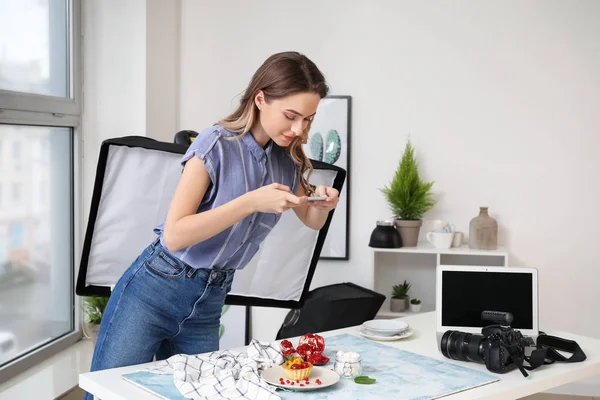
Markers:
point(273, 198)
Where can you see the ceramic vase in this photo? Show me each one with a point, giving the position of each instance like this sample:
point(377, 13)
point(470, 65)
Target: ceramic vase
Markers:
point(483, 231)
point(409, 231)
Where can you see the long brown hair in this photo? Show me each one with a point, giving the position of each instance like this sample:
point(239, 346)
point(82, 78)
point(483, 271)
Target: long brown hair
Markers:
point(281, 75)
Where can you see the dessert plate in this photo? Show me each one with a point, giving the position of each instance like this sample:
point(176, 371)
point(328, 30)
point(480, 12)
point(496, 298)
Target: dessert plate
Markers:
point(326, 376)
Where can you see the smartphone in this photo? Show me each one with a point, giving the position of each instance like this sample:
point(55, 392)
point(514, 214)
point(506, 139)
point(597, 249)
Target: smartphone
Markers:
point(316, 198)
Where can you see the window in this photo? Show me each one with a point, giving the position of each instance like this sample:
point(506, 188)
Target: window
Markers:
point(39, 128)
point(16, 193)
point(17, 151)
point(33, 51)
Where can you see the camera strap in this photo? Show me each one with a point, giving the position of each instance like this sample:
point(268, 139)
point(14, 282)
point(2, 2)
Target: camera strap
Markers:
point(546, 352)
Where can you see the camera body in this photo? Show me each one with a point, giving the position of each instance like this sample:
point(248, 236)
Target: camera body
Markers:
point(500, 347)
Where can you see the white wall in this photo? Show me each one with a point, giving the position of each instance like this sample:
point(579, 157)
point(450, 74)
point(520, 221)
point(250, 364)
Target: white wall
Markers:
point(131, 75)
point(163, 21)
point(501, 101)
point(114, 74)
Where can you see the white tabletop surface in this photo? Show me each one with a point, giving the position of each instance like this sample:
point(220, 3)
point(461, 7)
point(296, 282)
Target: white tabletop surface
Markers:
point(109, 385)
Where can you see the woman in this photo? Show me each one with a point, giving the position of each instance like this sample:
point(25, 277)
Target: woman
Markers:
point(238, 177)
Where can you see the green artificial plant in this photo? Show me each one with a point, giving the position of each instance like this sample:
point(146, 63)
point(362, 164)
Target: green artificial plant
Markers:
point(407, 195)
point(94, 308)
point(400, 291)
point(224, 309)
point(415, 301)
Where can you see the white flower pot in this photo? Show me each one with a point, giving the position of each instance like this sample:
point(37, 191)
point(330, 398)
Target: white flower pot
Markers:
point(93, 332)
point(415, 307)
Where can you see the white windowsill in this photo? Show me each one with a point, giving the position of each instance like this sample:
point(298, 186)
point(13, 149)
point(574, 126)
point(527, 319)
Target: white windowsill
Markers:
point(53, 377)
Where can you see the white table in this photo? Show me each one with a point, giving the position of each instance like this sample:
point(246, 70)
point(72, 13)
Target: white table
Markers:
point(108, 384)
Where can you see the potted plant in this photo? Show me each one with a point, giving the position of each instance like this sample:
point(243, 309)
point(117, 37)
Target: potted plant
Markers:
point(399, 300)
point(409, 197)
point(94, 308)
point(415, 305)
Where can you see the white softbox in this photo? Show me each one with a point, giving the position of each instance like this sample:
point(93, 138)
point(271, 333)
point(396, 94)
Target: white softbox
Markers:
point(135, 180)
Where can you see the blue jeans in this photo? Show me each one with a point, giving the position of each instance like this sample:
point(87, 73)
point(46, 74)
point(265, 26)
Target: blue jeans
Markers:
point(161, 306)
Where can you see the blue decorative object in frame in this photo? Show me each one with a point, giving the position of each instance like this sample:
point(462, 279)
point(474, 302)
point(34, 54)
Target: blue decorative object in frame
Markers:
point(329, 142)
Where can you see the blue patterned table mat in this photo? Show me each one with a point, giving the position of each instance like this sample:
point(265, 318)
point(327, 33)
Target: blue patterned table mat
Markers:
point(157, 384)
point(400, 374)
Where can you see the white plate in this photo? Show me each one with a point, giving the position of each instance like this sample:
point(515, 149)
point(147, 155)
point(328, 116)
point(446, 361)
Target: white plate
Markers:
point(325, 375)
point(385, 327)
point(408, 333)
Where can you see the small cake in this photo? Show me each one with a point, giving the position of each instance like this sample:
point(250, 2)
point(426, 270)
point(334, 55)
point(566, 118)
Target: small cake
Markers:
point(296, 368)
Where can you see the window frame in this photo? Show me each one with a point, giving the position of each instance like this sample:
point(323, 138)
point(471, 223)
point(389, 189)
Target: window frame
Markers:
point(41, 110)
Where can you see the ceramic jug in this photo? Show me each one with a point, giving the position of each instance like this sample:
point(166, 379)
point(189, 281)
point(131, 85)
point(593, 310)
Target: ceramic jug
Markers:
point(483, 231)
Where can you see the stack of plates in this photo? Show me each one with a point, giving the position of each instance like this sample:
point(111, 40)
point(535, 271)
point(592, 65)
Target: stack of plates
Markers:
point(385, 329)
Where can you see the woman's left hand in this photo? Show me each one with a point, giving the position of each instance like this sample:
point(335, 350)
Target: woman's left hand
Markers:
point(328, 204)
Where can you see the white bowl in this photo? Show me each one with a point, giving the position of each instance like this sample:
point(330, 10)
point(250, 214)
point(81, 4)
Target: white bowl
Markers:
point(382, 333)
point(385, 327)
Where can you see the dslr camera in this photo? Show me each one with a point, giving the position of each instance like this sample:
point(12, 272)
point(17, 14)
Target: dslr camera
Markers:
point(500, 347)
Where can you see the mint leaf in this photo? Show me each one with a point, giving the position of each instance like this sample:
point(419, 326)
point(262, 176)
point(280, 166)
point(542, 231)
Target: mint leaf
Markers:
point(364, 380)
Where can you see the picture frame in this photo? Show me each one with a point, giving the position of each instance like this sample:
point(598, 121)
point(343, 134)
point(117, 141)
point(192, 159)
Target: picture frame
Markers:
point(329, 140)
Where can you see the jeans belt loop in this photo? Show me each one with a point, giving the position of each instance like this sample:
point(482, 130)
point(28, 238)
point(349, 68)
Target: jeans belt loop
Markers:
point(225, 276)
point(191, 271)
point(153, 245)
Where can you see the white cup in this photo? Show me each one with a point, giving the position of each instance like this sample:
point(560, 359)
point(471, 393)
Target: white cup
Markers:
point(440, 240)
point(434, 224)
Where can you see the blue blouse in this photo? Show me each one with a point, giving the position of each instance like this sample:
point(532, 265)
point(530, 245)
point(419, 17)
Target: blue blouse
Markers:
point(235, 166)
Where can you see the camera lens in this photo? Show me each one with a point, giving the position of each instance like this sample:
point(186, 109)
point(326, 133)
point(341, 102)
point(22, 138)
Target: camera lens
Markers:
point(462, 346)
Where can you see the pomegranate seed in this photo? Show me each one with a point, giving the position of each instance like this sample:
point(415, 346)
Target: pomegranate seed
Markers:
point(297, 380)
point(301, 384)
point(292, 383)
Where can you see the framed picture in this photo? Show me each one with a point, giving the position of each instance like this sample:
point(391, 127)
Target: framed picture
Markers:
point(235, 327)
point(329, 141)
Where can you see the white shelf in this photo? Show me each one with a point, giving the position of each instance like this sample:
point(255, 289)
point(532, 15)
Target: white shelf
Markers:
point(385, 313)
point(427, 248)
point(418, 265)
